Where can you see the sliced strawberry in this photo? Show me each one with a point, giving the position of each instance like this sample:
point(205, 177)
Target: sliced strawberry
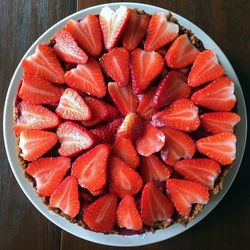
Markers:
point(185, 193)
point(153, 169)
point(67, 49)
point(218, 95)
point(155, 206)
point(206, 68)
point(66, 197)
point(45, 64)
point(115, 64)
point(127, 214)
point(203, 171)
point(87, 78)
point(181, 53)
point(87, 34)
point(219, 122)
point(100, 216)
point(151, 141)
point(135, 30)
point(160, 32)
point(35, 143)
point(73, 138)
point(145, 67)
point(35, 90)
point(35, 117)
point(220, 147)
point(72, 106)
point(123, 97)
point(112, 24)
point(48, 173)
point(172, 87)
point(178, 146)
point(182, 115)
point(123, 180)
point(90, 169)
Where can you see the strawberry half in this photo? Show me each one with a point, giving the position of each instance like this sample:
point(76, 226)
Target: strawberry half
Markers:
point(90, 169)
point(155, 206)
point(218, 95)
point(219, 122)
point(115, 64)
point(160, 32)
point(127, 215)
point(67, 49)
point(181, 53)
point(66, 197)
point(100, 216)
point(44, 63)
point(220, 147)
point(35, 143)
point(203, 171)
point(172, 87)
point(206, 68)
point(87, 78)
point(145, 67)
point(112, 24)
point(185, 193)
point(48, 173)
point(123, 180)
point(73, 138)
point(178, 145)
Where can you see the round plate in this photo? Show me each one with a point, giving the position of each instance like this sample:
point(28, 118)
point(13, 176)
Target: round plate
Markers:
point(118, 240)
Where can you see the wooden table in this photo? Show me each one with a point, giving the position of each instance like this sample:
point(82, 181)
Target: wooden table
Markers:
point(22, 226)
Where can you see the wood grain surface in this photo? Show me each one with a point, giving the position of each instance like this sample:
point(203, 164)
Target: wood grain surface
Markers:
point(22, 226)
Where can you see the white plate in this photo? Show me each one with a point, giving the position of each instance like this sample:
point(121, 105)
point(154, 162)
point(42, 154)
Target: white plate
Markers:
point(118, 240)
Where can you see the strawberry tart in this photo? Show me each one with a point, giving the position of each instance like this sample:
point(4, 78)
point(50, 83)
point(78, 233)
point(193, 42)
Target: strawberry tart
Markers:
point(125, 122)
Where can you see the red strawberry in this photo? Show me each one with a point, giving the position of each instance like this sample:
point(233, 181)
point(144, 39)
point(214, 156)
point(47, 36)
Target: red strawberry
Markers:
point(87, 34)
point(67, 49)
point(48, 173)
point(185, 193)
point(220, 147)
point(35, 117)
point(35, 143)
point(218, 95)
point(203, 171)
point(45, 64)
point(219, 122)
point(155, 206)
point(87, 78)
point(160, 32)
point(151, 141)
point(66, 197)
point(172, 87)
point(181, 53)
point(153, 169)
point(72, 106)
point(90, 169)
point(123, 180)
point(145, 67)
point(73, 138)
point(100, 216)
point(101, 112)
point(35, 90)
point(123, 97)
point(135, 30)
point(182, 115)
point(112, 24)
point(115, 63)
point(127, 214)
point(206, 68)
point(124, 149)
point(178, 145)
